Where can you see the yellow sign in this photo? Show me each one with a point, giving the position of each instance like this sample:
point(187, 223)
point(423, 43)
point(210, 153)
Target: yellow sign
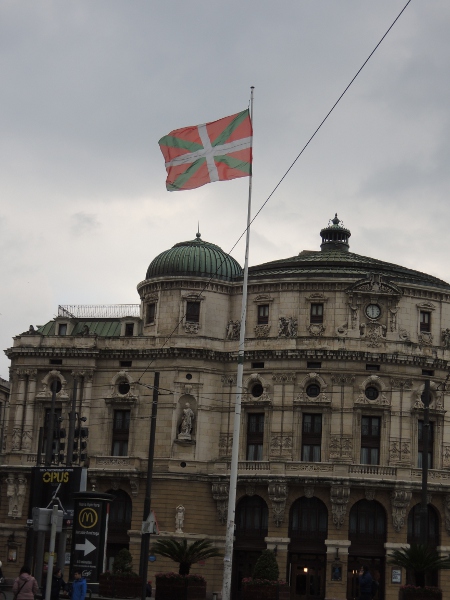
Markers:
point(55, 477)
point(88, 518)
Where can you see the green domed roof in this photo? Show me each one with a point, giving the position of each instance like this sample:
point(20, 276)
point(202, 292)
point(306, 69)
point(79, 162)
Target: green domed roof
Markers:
point(195, 258)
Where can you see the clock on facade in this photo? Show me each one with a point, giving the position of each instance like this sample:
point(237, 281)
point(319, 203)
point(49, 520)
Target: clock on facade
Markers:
point(373, 311)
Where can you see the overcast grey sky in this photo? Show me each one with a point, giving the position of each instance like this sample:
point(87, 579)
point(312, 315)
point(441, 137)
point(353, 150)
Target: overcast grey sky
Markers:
point(89, 86)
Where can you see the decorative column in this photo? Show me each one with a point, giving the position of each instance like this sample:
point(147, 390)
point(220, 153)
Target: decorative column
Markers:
point(339, 495)
point(278, 492)
point(27, 433)
point(400, 501)
point(16, 441)
point(336, 569)
point(220, 493)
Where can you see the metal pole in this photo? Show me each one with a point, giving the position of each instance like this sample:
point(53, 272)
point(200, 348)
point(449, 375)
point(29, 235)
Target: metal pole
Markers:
point(425, 445)
point(228, 558)
point(72, 417)
point(51, 552)
point(50, 427)
point(145, 538)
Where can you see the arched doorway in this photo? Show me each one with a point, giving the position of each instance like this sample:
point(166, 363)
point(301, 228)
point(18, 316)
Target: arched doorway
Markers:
point(308, 529)
point(433, 538)
point(367, 534)
point(118, 525)
point(252, 517)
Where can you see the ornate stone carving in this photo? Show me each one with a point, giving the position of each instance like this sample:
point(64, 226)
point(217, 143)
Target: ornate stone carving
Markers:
point(316, 329)
point(343, 379)
point(374, 333)
point(220, 493)
point(400, 501)
point(179, 518)
point(375, 285)
point(281, 444)
point(446, 338)
point(113, 462)
point(376, 381)
point(425, 338)
point(284, 377)
point(134, 485)
point(341, 447)
point(262, 331)
point(404, 335)
point(447, 512)
point(399, 384)
point(187, 422)
point(399, 452)
point(233, 330)
point(309, 490)
point(370, 494)
point(303, 396)
point(225, 444)
point(250, 489)
point(339, 495)
point(27, 438)
point(16, 438)
point(278, 492)
point(287, 327)
point(446, 457)
point(191, 327)
point(16, 490)
point(228, 379)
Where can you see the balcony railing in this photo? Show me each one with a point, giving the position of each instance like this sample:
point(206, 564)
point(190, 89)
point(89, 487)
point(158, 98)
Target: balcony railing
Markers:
point(372, 470)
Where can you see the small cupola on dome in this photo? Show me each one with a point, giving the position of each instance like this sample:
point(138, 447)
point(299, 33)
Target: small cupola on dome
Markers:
point(335, 236)
point(195, 258)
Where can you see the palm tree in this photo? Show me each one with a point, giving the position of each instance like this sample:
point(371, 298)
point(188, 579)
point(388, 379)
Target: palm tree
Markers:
point(420, 559)
point(185, 555)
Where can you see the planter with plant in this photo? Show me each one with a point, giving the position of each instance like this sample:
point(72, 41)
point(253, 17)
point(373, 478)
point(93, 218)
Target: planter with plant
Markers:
point(419, 561)
point(122, 582)
point(265, 583)
point(182, 585)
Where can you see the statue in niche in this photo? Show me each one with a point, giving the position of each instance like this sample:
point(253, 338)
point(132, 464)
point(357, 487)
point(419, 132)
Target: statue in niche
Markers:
point(179, 519)
point(187, 422)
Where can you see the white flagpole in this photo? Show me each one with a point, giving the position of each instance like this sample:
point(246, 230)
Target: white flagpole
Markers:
point(228, 558)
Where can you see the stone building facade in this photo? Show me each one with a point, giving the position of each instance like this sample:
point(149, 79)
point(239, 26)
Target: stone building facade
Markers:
point(338, 347)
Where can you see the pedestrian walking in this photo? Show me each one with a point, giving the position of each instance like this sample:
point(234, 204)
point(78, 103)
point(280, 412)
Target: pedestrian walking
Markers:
point(25, 586)
point(58, 584)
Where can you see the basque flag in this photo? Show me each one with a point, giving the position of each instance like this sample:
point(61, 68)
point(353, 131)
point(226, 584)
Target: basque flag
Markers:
point(215, 151)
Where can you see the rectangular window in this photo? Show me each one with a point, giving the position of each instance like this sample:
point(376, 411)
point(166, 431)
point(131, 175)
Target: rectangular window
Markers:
point(372, 367)
point(263, 314)
point(56, 427)
point(255, 436)
point(121, 431)
point(312, 364)
point(129, 329)
point(62, 329)
point(421, 448)
point(370, 440)
point(425, 321)
point(311, 438)
point(316, 315)
point(192, 312)
point(150, 313)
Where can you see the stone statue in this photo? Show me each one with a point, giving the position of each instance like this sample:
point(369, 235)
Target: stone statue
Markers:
point(179, 519)
point(446, 338)
point(11, 495)
point(187, 421)
point(21, 492)
point(233, 330)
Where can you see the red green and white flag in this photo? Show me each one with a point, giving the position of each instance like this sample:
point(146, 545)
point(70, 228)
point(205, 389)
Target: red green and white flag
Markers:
point(215, 151)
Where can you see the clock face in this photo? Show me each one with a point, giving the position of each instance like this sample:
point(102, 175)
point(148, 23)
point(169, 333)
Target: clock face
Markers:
point(373, 311)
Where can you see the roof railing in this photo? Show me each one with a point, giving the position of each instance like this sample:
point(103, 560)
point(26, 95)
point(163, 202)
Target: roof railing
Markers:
point(98, 311)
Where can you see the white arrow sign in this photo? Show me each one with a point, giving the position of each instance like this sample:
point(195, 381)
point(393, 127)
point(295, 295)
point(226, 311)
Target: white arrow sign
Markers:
point(87, 547)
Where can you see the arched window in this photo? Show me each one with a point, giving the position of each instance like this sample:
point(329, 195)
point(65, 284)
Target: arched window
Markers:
point(414, 526)
point(308, 519)
point(251, 518)
point(119, 524)
point(367, 527)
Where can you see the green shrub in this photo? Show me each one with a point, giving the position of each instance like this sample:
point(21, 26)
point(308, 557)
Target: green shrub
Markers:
point(266, 567)
point(123, 563)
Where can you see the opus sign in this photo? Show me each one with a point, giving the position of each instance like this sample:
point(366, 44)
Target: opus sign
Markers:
point(64, 481)
point(89, 534)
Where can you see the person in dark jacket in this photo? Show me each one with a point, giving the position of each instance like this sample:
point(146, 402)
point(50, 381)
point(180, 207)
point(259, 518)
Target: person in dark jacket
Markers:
point(58, 584)
point(79, 585)
point(365, 584)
